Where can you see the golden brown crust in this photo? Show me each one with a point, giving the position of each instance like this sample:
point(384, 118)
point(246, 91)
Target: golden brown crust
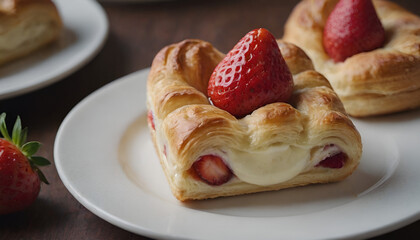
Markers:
point(178, 74)
point(381, 81)
point(187, 126)
point(297, 59)
point(25, 26)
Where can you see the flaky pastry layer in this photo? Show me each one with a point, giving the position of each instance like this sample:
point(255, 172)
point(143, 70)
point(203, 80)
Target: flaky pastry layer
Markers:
point(186, 126)
point(381, 81)
point(25, 26)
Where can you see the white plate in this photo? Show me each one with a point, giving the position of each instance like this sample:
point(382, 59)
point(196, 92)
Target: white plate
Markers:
point(104, 156)
point(84, 33)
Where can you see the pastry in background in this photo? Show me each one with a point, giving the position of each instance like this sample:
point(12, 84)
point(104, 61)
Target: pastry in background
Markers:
point(26, 26)
point(368, 50)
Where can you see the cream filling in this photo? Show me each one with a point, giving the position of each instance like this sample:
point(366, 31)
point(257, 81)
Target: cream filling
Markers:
point(264, 167)
point(269, 166)
point(274, 164)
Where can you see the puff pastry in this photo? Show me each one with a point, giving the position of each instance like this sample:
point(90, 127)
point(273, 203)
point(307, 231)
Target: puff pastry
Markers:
point(277, 146)
point(381, 81)
point(25, 26)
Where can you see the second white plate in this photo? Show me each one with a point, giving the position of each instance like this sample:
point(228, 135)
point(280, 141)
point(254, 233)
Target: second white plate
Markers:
point(84, 33)
point(105, 157)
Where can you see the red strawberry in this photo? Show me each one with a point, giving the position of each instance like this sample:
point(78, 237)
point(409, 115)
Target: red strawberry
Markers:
point(19, 173)
point(251, 75)
point(336, 161)
point(212, 170)
point(351, 28)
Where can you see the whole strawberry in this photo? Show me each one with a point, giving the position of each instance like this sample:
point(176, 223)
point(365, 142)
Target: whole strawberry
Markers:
point(251, 75)
point(19, 173)
point(351, 28)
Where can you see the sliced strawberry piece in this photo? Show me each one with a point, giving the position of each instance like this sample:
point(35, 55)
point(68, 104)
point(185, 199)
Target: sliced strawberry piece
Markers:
point(150, 119)
point(251, 75)
point(212, 170)
point(335, 161)
point(351, 28)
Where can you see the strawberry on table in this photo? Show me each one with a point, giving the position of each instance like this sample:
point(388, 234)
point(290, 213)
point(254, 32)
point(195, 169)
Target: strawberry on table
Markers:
point(251, 75)
point(20, 177)
point(351, 28)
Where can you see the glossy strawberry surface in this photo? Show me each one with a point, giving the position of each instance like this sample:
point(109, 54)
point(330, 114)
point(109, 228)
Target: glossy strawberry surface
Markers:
point(19, 184)
point(20, 176)
point(251, 75)
point(351, 28)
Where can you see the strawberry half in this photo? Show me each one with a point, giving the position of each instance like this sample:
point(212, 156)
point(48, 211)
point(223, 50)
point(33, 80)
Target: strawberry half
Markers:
point(351, 28)
point(212, 170)
point(251, 75)
point(20, 177)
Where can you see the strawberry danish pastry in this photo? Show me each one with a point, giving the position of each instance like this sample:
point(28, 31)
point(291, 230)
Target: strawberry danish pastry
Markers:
point(258, 119)
point(368, 50)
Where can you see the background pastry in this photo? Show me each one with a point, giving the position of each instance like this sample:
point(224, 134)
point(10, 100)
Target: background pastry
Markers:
point(25, 26)
point(381, 80)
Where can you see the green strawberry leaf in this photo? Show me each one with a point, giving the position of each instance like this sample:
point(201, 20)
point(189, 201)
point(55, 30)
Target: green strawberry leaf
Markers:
point(40, 174)
point(16, 133)
point(40, 161)
point(23, 136)
point(30, 148)
point(3, 127)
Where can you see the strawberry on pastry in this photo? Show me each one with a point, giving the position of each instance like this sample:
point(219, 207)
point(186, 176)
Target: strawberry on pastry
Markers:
point(352, 27)
point(20, 177)
point(251, 75)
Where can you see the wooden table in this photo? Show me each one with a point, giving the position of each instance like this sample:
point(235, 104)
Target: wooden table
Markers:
point(137, 33)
